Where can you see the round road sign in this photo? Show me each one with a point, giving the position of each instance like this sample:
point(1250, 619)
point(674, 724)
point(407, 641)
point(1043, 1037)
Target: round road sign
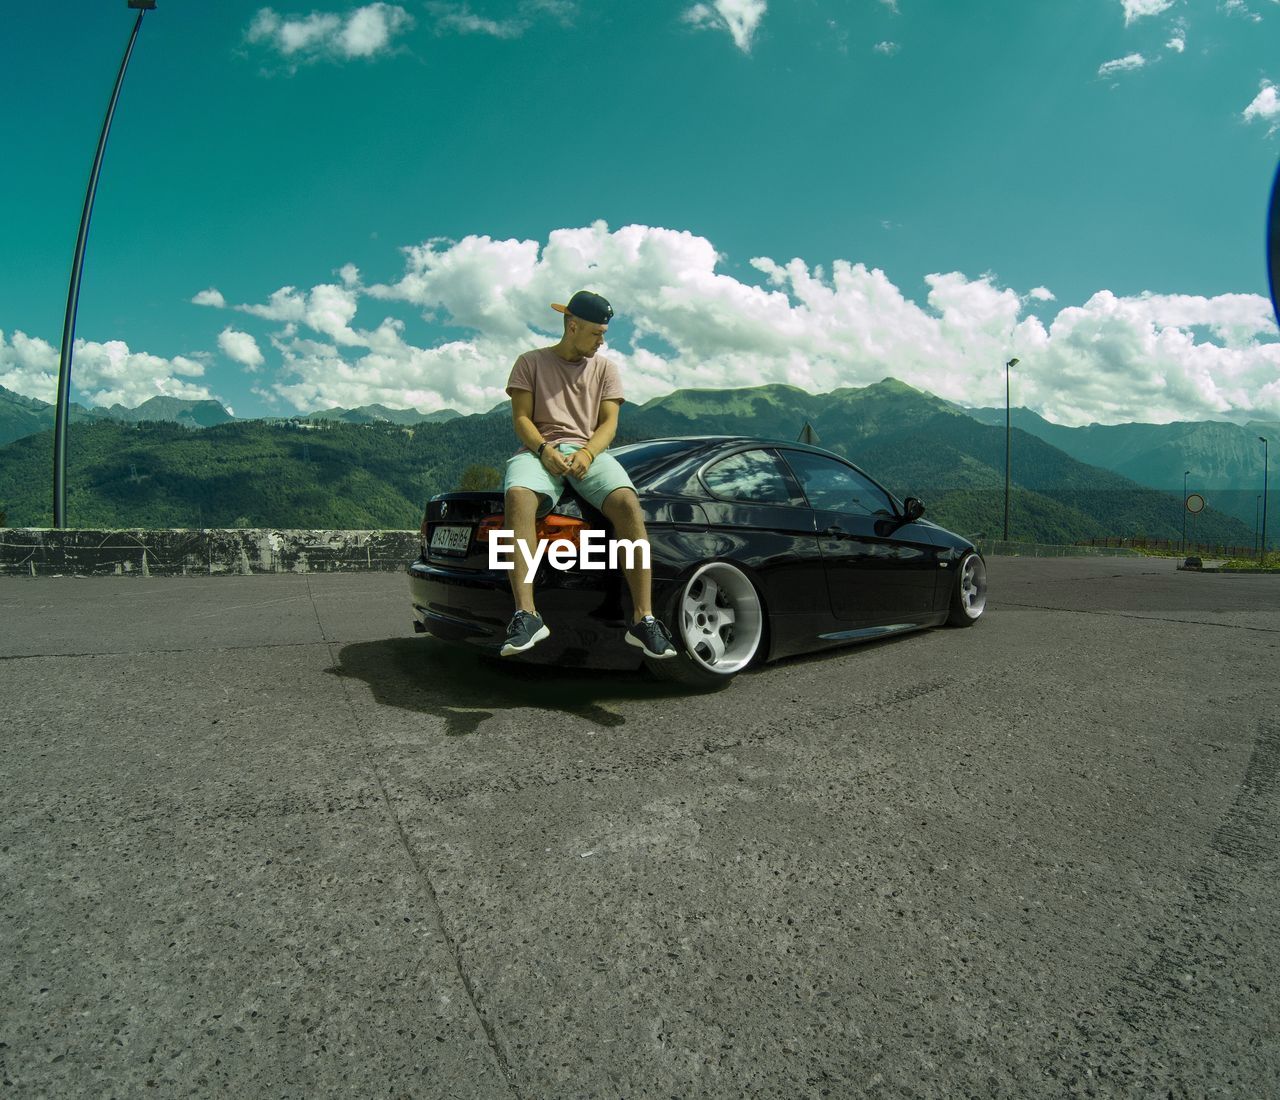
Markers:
point(1195, 503)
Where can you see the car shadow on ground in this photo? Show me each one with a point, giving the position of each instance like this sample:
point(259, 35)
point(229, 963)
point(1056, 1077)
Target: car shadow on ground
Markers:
point(464, 687)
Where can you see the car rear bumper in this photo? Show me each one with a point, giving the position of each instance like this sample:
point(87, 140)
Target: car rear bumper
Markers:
point(586, 613)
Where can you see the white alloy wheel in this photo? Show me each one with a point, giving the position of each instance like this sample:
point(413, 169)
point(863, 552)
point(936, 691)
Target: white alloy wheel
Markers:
point(721, 620)
point(970, 599)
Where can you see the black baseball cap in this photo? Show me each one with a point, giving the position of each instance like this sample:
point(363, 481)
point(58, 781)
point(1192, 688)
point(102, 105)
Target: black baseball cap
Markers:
point(590, 307)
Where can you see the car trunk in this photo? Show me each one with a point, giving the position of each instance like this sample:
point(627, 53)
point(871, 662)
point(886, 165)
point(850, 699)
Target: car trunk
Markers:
point(449, 529)
point(452, 520)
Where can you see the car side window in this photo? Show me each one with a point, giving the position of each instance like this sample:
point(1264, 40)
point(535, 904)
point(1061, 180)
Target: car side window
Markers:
point(754, 477)
point(834, 487)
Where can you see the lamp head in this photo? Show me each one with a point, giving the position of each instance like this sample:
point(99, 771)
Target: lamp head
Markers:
point(1012, 363)
point(145, 5)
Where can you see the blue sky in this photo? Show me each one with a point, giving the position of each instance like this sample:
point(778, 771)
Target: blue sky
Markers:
point(305, 206)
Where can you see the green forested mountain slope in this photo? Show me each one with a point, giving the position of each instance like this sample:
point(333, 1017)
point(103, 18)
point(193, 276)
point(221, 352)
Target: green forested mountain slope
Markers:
point(247, 473)
point(377, 475)
point(920, 445)
point(22, 416)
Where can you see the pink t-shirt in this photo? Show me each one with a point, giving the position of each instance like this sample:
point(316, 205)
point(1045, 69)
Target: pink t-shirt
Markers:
point(566, 396)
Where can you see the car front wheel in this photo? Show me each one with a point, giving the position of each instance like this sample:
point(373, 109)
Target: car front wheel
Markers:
point(969, 597)
point(719, 628)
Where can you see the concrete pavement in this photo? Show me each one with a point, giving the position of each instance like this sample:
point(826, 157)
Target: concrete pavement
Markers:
point(258, 838)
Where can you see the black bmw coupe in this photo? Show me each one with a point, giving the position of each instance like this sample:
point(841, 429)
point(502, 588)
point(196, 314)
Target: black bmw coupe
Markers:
point(759, 550)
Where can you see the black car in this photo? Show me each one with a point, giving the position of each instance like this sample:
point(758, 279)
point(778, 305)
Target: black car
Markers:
point(759, 550)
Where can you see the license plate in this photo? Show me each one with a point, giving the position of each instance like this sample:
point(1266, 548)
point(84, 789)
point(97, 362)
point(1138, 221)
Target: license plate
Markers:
point(451, 540)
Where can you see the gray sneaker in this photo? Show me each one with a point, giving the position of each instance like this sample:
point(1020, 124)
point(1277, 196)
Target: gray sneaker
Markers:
point(650, 635)
point(524, 632)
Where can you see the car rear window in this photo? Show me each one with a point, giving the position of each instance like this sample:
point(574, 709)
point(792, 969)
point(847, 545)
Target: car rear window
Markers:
point(639, 459)
point(754, 477)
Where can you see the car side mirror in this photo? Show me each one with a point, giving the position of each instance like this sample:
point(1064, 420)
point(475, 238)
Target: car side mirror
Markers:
point(912, 509)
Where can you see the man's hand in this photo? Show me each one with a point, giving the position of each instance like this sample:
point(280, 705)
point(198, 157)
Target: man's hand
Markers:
point(554, 461)
point(580, 462)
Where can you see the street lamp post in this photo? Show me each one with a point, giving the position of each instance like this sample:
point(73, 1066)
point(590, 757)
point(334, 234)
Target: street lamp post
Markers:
point(73, 291)
point(1262, 547)
point(1184, 510)
point(1257, 515)
point(1007, 434)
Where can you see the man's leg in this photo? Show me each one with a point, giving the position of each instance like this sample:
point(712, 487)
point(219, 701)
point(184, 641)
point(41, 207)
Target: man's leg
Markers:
point(522, 520)
point(646, 633)
point(623, 511)
point(526, 628)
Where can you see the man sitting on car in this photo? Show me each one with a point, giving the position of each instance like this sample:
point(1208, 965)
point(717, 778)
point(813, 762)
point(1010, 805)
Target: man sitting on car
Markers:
point(564, 407)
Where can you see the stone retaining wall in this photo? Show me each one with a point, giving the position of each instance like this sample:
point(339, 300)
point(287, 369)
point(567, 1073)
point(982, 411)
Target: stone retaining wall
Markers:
point(47, 552)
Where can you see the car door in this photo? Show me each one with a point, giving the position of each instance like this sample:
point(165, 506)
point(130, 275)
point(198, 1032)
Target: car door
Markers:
point(758, 516)
point(880, 570)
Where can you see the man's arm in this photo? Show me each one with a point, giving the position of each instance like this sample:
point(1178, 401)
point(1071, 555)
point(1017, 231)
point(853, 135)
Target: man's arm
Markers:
point(528, 434)
point(522, 419)
point(606, 429)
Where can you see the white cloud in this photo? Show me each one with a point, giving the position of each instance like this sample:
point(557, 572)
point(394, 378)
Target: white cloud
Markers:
point(327, 309)
point(1265, 106)
point(683, 323)
point(886, 48)
point(1136, 9)
point(211, 297)
point(1240, 8)
point(563, 10)
point(286, 304)
point(1122, 64)
point(109, 373)
point(1115, 359)
point(462, 20)
point(29, 366)
point(1178, 43)
point(241, 347)
point(892, 5)
point(740, 18)
point(101, 373)
point(365, 32)
point(369, 30)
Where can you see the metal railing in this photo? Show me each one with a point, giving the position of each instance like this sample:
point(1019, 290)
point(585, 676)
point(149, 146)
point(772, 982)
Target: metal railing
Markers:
point(1000, 548)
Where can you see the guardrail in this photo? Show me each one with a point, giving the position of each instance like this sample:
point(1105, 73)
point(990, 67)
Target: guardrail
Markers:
point(1177, 546)
point(998, 548)
point(46, 551)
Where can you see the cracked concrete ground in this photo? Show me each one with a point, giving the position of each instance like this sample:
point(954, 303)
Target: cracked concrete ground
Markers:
point(258, 838)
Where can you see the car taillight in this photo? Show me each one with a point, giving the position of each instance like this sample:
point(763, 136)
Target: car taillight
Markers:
point(549, 529)
point(489, 523)
point(561, 527)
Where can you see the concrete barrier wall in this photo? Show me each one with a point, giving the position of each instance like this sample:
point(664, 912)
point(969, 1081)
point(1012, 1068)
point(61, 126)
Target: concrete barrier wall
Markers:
point(48, 552)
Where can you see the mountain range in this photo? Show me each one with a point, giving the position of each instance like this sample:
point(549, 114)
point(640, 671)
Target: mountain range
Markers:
point(370, 467)
point(1221, 461)
point(22, 416)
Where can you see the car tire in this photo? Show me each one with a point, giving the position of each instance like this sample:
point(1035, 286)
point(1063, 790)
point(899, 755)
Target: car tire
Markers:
point(969, 593)
point(719, 627)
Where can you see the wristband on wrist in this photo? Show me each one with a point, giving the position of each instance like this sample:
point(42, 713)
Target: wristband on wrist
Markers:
point(541, 447)
point(590, 452)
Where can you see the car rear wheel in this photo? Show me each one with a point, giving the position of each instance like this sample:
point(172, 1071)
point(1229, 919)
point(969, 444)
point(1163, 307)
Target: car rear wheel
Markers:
point(719, 628)
point(969, 597)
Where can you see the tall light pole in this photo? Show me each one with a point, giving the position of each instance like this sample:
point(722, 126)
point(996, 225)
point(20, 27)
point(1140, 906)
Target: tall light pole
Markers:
point(1184, 510)
point(1257, 513)
point(1007, 433)
point(73, 291)
point(1262, 549)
